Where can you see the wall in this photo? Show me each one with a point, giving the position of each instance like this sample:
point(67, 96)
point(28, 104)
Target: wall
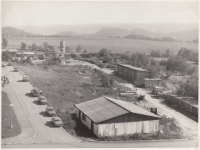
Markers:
point(87, 122)
point(142, 74)
point(152, 83)
point(127, 128)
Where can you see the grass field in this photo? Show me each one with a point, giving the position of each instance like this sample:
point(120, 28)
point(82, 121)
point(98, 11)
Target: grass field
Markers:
point(69, 85)
point(6, 132)
point(115, 45)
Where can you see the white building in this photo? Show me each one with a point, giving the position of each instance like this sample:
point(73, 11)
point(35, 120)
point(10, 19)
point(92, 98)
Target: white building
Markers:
point(111, 117)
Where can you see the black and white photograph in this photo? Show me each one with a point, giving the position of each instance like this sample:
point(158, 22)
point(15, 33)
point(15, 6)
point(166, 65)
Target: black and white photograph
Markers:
point(99, 74)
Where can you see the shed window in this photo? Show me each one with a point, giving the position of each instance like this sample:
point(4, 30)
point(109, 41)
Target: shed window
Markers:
point(83, 117)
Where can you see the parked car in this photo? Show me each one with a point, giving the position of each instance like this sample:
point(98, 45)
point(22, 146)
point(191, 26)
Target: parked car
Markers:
point(3, 64)
point(25, 78)
point(9, 64)
point(36, 92)
point(42, 100)
point(16, 69)
point(56, 121)
point(50, 111)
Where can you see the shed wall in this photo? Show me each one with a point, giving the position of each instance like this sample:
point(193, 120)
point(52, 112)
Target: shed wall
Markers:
point(127, 128)
point(87, 122)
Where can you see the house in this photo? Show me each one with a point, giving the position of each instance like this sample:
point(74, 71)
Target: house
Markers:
point(190, 104)
point(106, 116)
point(133, 74)
point(9, 53)
point(149, 83)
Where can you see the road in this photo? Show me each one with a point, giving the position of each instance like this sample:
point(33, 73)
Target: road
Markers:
point(48, 136)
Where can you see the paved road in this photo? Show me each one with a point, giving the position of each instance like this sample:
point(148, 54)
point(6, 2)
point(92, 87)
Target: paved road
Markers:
point(46, 133)
point(48, 136)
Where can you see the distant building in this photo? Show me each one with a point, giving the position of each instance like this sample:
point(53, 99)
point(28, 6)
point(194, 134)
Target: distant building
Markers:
point(9, 53)
point(62, 46)
point(133, 74)
point(190, 104)
point(149, 83)
point(106, 116)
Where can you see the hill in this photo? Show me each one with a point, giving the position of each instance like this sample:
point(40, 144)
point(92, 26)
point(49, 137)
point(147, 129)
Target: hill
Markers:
point(14, 32)
point(67, 33)
point(111, 32)
point(185, 35)
point(93, 28)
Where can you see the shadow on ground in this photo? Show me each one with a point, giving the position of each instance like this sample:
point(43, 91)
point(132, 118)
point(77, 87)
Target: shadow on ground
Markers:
point(49, 124)
point(44, 114)
point(29, 94)
point(36, 102)
point(20, 81)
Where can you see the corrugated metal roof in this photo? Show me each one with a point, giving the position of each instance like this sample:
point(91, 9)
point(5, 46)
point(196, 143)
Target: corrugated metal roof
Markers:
point(105, 108)
point(134, 68)
point(132, 108)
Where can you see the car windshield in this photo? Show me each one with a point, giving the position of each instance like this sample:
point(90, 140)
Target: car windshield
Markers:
point(35, 91)
point(57, 119)
point(51, 109)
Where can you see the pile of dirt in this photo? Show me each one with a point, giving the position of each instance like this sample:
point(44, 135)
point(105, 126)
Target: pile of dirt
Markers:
point(173, 126)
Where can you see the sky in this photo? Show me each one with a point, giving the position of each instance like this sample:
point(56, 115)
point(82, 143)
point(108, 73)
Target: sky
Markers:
point(21, 13)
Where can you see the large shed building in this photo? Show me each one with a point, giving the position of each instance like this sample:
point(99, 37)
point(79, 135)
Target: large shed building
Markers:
point(106, 116)
point(133, 74)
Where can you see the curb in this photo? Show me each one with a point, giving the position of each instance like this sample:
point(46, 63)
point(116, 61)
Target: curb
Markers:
point(29, 120)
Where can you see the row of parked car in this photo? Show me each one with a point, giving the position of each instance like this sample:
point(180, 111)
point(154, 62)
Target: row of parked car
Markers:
point(6, 64)
point(43, 101)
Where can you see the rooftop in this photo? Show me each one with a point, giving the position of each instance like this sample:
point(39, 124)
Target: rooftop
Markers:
point(9, 50)
point(104, 108)
point(134, 68)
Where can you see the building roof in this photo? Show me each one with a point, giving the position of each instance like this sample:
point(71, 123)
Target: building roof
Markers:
point(154, 79)
point(104, 108)
point(9, 50)
point(134, 68)
point(28, 53)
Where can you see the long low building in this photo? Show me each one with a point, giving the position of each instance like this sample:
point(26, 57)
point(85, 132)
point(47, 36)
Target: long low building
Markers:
point(190, 104)
point(106, 116)
point(149, 82)
point(133, 74)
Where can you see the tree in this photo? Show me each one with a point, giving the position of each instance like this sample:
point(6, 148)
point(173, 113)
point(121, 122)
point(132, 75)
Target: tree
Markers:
point(140, 60)
point(84, 51)
point(23, 46)
point(177, 63)
point(67, 49)
point(167, 53)
point(103, 52)
point(126, 56)
point(51, 47)
point(188, 54)
point(34, 46)
point(78, 49)
point(4, 43)
point(29, 47)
